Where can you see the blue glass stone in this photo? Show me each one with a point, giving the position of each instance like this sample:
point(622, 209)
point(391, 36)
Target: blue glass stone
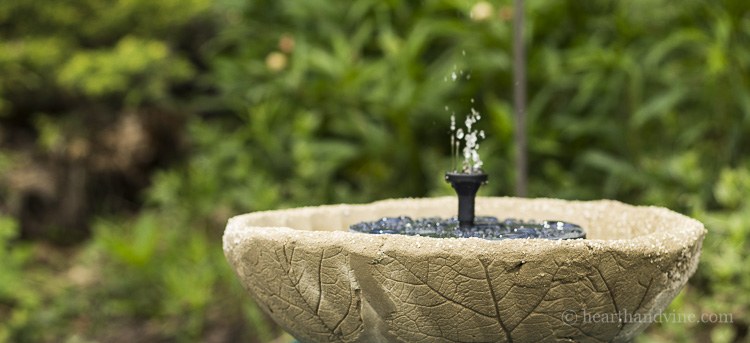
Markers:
point(486, 220)
point(527, 230)
point(382, 231)
point(484, 227)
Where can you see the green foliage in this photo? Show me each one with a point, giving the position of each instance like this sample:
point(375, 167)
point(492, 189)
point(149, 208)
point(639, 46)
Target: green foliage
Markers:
point(25, 292)
point(138, 69)
point(726, 267)
point(156, 273)
point(14, 291)
point(25, 66)
point(723, 277)
point(352, 132)
point(122, 49)
point(305, 102)
point(633, 95)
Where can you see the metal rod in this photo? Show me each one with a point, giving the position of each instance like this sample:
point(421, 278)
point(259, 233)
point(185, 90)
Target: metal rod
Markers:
point(519, 98)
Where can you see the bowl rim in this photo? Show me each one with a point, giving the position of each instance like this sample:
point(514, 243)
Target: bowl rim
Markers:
point(683, 233)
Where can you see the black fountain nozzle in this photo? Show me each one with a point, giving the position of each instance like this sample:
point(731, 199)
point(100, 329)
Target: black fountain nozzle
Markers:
point(466, 186)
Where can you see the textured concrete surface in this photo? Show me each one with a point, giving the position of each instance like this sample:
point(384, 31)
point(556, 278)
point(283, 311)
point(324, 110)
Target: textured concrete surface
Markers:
point(323, 284)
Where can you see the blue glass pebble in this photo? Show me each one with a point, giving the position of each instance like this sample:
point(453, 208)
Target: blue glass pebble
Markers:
point(484, 227)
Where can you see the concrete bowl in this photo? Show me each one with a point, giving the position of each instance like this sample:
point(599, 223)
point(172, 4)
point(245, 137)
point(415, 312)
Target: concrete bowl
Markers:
point(324, 284)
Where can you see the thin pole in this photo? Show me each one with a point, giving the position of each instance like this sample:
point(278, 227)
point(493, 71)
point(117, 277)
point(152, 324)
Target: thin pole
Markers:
point(519, 98)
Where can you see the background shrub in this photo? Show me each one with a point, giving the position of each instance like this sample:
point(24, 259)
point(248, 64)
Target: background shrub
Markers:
point(133, 129)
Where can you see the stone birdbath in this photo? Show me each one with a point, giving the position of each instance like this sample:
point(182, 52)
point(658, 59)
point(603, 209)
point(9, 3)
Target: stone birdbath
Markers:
point(322, 283)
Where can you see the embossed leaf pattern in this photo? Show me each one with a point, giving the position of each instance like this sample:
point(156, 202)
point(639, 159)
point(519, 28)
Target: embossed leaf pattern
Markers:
point(467, 297)
point(315, 292)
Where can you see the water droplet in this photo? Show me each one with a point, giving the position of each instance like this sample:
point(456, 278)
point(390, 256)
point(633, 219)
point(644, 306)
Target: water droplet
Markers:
point(471, 139)
point(460, 133)
point(453, 76)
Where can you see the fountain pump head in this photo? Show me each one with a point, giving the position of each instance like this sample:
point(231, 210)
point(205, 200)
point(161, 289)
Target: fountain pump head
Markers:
point(466, 186)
